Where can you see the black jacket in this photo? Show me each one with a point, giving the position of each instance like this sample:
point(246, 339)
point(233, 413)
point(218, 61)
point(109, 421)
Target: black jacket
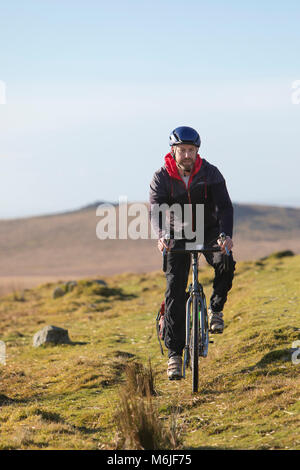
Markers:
point(206, 186)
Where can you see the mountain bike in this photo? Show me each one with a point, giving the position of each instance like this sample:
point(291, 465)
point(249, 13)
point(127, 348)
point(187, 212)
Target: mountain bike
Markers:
point(197, 328)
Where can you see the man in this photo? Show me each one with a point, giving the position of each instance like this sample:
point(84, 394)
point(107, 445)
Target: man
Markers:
point(186, 178)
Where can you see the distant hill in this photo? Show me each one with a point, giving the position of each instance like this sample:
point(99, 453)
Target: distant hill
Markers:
point(94, 205)
point(266, 222)
point(65, 244)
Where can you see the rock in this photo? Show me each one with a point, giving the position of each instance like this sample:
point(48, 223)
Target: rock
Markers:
point(51, 334)
point(58, 292)
point(69, 286)
point(4, 400)
point(278, 255)
point(100, 282)
point(283, 254)
point(124, 354)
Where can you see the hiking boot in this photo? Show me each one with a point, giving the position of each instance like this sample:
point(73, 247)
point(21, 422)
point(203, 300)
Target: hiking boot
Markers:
point(174, 371)
point(216, 322)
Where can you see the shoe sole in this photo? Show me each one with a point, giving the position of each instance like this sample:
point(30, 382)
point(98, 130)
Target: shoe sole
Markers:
point(176, 377)
point(219, 332)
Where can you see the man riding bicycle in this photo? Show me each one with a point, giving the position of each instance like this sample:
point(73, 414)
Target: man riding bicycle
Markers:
point(186, 178)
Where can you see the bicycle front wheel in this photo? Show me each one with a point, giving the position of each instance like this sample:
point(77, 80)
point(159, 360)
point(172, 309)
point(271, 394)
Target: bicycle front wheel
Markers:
point(203, 340)
point(195, 344)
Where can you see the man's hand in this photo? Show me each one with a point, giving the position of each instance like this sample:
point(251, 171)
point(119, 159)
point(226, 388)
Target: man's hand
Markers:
point(227, 243)
point(162, 244)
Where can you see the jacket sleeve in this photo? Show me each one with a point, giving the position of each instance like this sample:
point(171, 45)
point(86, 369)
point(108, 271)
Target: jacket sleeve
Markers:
point(158, 196)
point(222, 203)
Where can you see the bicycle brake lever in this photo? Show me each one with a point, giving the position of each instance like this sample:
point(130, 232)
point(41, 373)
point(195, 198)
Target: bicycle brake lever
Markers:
point(164, 253)
point(223, 238)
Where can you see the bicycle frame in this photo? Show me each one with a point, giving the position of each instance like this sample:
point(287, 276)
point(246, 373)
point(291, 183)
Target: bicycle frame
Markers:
point(197, 298)
point(196, 314)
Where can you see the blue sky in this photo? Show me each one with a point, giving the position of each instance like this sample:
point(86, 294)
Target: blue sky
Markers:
point(93, 89)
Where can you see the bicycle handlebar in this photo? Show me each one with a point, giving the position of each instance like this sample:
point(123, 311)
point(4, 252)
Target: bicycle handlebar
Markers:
point(201, 249)
point(197, 250)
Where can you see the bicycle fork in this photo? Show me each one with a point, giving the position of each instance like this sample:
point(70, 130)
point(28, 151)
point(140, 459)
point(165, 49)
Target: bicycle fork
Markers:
point(203, 328)
point(189, 303)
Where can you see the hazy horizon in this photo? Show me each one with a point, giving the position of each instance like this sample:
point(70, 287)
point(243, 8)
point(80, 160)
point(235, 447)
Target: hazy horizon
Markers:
point(85, 206)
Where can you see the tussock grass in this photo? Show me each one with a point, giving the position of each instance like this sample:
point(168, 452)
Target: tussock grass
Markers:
point(138, 422)
point(140, 379)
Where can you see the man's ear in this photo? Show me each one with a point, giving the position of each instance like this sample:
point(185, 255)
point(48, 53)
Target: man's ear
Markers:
point(173, 152)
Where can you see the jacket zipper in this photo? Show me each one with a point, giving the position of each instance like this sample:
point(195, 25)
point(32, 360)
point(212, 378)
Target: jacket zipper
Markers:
point(187, 187)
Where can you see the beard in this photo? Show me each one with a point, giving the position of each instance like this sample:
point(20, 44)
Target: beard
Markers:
point(187, 165)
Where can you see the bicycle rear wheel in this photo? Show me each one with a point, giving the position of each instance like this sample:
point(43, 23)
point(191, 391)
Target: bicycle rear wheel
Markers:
point(195, 344)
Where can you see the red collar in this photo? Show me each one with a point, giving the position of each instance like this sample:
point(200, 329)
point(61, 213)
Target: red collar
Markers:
point(172, 169)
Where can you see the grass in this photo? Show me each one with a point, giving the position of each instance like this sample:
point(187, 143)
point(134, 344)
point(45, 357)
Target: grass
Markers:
point(138, 421)
point(74, 396)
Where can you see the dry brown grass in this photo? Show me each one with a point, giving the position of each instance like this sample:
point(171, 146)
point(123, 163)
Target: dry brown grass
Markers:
point(140, 379)
point(138, 422)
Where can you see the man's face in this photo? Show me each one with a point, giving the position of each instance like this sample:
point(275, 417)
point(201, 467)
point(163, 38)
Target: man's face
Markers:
point(185, 155)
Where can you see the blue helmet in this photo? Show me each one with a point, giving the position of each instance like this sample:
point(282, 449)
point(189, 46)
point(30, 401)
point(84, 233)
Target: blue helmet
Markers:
point(185, 135)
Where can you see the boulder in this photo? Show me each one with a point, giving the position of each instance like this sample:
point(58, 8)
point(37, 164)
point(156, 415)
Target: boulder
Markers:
point(58, 292)
point(100, 282)
point(51, 334)
point(69, 286)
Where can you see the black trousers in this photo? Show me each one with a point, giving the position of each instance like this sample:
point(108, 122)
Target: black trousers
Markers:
point(177, 272)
